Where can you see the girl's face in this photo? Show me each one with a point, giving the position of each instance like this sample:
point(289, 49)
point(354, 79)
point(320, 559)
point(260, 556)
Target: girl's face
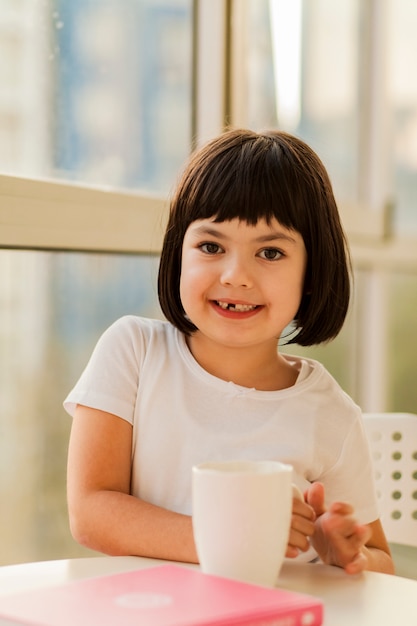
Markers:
point(241, 285)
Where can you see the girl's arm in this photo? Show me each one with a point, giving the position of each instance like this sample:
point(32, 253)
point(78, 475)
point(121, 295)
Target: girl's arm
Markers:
point(103, 515)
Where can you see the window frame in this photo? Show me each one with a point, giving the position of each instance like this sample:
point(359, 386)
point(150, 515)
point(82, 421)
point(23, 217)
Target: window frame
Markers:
point(55, 215)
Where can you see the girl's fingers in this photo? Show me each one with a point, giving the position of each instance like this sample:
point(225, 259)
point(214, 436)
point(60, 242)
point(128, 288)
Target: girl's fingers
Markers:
point(357, 565)
point(341, 508)
point(291, 552)
point(298, 541)
point(302, 528)
point(315, 498)
point(341, 539)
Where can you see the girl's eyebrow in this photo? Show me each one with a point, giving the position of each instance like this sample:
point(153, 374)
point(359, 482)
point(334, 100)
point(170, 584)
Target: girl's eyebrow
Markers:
point(199, 231)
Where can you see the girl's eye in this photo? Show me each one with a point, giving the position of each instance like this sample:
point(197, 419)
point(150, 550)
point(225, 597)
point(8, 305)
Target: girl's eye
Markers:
point(270, 254)
point(210, 248)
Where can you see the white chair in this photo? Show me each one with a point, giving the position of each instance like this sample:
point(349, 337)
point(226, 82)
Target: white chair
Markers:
point(393, 441)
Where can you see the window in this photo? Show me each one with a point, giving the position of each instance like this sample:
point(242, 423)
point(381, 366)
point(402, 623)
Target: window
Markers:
point(95, 123)
point(339, 76)
point(101, 101)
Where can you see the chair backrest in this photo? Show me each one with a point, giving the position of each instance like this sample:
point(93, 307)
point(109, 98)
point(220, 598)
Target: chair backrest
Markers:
point(393, 442)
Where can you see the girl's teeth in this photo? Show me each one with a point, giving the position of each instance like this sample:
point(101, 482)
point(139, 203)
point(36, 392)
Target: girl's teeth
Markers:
point(237, 307)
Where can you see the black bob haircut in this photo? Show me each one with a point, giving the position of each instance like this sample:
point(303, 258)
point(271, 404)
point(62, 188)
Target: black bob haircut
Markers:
point(251, 176)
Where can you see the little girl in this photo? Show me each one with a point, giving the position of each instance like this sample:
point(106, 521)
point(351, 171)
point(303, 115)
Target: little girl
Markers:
point(253, 246)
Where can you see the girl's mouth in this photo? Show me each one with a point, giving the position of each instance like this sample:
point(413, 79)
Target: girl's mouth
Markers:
point(240, 308)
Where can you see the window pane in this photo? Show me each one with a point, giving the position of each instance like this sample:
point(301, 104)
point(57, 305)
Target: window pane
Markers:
point(302, 77)
point(53, 307)
point(304, 63)
point(329, 117)
point(328, 62)
point(337, 356)
point(402, 50)
point(402, 333)
point(96, 91)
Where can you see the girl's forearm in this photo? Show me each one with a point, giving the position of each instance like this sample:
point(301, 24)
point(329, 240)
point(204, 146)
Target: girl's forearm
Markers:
point(119, 524)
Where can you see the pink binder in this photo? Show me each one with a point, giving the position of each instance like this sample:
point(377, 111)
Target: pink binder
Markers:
point(165, 595)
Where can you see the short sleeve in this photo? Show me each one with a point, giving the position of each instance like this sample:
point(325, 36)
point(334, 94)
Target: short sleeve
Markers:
point(353, 475)
point(110, 380)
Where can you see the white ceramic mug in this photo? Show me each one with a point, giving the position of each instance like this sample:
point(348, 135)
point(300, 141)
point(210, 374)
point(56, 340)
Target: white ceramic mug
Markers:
point(241, 518)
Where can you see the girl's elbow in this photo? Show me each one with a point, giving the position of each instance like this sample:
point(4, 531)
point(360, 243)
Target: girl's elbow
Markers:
point(88, 533)
point(80, 530)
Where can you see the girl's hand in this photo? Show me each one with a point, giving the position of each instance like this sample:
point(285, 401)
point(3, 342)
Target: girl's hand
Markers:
point(338, 538)
point(302, 527)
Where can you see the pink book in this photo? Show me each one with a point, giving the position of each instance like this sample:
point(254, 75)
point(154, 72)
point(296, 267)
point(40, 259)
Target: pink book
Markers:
point(165, 595)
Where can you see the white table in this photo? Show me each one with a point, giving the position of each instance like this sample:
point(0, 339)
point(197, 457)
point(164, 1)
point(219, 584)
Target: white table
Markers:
point(370, 599)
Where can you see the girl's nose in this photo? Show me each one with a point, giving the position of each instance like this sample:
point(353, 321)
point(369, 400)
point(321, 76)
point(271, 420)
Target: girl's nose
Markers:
point(235, 273)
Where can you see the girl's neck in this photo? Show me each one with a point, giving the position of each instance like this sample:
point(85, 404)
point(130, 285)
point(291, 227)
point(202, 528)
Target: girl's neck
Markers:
point(257, 367)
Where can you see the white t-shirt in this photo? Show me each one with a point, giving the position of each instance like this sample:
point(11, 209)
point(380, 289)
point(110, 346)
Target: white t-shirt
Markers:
point(142, 371)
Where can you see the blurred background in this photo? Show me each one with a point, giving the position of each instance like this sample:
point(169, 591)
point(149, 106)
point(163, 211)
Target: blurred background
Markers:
point(101, 101)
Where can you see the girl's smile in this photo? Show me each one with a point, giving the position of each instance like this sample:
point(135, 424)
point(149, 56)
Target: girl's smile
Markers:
point(241, 285)
point(235, 310)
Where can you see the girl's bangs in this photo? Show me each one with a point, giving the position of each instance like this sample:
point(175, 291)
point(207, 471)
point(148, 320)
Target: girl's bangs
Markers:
point(249, 195)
